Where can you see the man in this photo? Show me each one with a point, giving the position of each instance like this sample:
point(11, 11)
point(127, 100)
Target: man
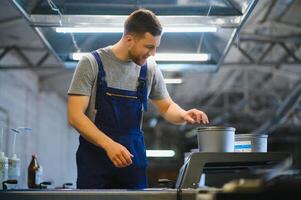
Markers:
point(106, 99)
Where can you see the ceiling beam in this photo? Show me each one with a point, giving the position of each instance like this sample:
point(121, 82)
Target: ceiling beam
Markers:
point(289, 103)
point(291, 38)
point(266, 52)
point(9, 20)
point(6, 50)
point(289, 52)
point(18, 67)
point(43, 59)
point(25, 48)
point(260, 64)
point(268, 11)
point(24, 58)
point(288, 5)
point(244, 53)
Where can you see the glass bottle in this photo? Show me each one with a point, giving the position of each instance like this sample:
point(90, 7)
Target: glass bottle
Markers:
point(34, 173)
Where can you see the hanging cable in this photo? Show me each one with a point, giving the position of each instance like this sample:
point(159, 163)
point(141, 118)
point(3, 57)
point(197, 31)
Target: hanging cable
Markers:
point(56, 9)
point(202, 35)
point(75, 43)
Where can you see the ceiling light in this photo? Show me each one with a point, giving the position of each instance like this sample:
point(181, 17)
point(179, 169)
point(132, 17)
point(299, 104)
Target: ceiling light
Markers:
point(181, 29)
point(89, 30)
point(191, 29)
point(178, 57)
point(77, 56)
point(173, 80)
point(192, 67)
point(182, 57)
point(160, 153)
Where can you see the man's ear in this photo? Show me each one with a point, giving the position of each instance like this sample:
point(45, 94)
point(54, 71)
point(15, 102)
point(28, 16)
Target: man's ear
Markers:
point(129, 39)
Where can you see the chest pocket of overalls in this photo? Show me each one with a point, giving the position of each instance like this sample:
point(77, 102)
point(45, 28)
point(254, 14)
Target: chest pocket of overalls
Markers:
point(125, 111)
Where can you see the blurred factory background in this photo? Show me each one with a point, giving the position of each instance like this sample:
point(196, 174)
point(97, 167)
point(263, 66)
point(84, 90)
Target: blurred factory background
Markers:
point(250, 77)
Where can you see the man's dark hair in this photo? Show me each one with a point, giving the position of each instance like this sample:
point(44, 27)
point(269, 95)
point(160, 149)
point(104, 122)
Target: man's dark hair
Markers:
point(142, 21)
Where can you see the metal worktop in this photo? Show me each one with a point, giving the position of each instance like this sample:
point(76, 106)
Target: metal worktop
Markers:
point(67, 194)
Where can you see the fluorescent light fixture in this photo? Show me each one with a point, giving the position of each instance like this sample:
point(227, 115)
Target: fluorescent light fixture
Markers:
point(178, 57)
point(192, 67)
point(181, 29)
point(78, 56)
point(189, 29)
point(160, 153)
point(89, 30)
point(182, 57)
point(173, 80)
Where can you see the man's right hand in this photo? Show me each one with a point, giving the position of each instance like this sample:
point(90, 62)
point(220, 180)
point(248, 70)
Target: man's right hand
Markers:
point(119, 155)
point(77, 106)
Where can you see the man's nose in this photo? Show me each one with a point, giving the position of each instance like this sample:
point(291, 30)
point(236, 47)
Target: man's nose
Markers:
point(152, 52)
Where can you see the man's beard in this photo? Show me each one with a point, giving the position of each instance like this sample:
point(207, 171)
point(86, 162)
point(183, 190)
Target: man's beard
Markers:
point(136, 59)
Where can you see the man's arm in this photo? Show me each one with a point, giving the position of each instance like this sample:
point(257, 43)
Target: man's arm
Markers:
point(176, 115)
point(77, 106)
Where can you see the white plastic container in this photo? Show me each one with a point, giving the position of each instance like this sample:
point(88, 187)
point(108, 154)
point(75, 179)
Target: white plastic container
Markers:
point(3, 168)
point(251, 143)
point(14, 170)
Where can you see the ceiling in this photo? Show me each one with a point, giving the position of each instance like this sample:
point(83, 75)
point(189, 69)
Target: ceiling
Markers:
point(252, 82)
point(227, 16)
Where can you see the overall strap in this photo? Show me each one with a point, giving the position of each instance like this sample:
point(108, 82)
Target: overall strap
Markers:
point(142, 86)
point(101, 82)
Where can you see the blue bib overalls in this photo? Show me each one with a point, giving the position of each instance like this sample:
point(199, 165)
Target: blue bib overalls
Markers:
point(119, 114)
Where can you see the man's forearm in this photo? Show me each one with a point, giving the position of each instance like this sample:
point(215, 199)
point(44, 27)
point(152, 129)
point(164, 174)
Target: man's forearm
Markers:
point(174, 114)
point(89, 131)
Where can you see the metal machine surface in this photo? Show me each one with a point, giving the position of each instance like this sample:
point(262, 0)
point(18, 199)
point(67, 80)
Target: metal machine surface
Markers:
point(216, 163)
point(187, 187)
point(167, 194)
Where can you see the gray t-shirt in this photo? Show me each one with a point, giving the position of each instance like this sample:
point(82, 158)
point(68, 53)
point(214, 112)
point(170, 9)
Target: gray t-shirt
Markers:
point(119, 74)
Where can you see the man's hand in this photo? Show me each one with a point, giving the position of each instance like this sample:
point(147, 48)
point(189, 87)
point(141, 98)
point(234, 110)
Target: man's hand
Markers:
point(119, 155)
point(176, 115)
point(195, 116)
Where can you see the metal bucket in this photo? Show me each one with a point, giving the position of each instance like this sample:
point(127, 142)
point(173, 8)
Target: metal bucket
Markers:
point(216, 139)
point(251, 143)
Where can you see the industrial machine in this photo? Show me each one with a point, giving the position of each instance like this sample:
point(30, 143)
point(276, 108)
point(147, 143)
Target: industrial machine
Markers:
point(201, 173)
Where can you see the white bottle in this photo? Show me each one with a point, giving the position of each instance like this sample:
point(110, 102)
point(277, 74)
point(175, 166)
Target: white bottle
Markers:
point(3, 168)
point(39, 175)
point(14, 170)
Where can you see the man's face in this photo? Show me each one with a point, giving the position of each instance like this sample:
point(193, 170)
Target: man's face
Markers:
point(143, 47)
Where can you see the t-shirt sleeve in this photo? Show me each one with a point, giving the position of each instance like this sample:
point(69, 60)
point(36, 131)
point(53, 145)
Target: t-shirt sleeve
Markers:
point(158, 87)
point(83, 78)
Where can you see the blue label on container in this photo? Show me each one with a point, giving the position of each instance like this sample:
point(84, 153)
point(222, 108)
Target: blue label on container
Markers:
point(243, 146)
point(246, 146)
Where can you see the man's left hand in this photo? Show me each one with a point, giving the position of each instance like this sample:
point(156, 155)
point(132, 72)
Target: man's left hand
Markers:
point(195, 116)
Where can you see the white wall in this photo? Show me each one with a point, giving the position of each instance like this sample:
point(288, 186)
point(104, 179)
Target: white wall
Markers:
point(52, 139)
